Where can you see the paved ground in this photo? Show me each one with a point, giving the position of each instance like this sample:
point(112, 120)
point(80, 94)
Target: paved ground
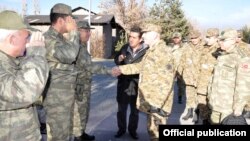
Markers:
point(102, 118)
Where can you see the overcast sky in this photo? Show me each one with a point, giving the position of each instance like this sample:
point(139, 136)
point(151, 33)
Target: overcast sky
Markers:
point(206, 13)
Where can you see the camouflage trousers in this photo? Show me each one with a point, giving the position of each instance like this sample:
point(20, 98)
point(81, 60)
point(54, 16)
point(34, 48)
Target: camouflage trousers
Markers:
point(202, 106)
point(81, 108)
point(58, 105)
point(181, 86)
point(217, 117)
point(190, 97)
point(154, 120)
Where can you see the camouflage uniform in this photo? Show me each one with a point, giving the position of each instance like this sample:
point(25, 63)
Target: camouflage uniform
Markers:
point(22, 82)
point(188, 68)
point(245, 48)
point(229, 87)
point(155, 84)
point(60, 96)
point(207, 62)
point(83, 88)
point(177, 51)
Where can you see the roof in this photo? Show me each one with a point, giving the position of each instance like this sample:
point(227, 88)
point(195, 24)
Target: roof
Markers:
point(78, 8)
point(95, 19)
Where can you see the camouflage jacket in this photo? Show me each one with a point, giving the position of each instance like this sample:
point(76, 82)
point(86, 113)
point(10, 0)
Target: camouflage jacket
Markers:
point(177, 51)
point(86, 67)
point(206, 67)
point(188, 67)
point(22, 82)
point(61, 56)
point(156, 76)
point(229, 88)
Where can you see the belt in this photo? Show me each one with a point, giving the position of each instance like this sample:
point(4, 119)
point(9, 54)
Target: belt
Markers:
point(19, 108)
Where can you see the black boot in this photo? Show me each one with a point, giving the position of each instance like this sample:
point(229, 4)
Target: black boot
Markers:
point(189, 114)
point(86, 137)
point(180, 99)
point(196, 116)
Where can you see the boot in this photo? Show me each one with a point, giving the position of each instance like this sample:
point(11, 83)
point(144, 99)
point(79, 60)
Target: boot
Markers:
point(180, 99)
point(196, 116)
point(86, 137)
point(189, 114)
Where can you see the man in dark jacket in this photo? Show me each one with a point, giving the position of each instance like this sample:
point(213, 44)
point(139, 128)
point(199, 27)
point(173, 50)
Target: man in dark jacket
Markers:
point(127, 87)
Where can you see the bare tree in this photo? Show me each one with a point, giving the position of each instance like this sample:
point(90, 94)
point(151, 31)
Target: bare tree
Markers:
point(36, 7)
point(127, 12)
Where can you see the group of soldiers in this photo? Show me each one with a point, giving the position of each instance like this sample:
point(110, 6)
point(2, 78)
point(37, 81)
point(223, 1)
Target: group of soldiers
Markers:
point(213, 74)
point(202, 76)
point(53, 69)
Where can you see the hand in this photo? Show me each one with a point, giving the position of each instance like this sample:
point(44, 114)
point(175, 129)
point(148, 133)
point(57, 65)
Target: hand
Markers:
point(70, 24)
point(116, 71)
point(121, 57)
point(36, 40)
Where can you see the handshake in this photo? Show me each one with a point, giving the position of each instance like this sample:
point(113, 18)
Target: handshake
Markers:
point(116, 71)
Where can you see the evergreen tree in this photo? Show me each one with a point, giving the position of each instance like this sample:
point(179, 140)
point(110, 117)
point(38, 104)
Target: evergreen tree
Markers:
point(246, 34)
point(169, 15)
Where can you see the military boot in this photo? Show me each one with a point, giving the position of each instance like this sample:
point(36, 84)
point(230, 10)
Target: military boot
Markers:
point(86, 137)
point(189, 114)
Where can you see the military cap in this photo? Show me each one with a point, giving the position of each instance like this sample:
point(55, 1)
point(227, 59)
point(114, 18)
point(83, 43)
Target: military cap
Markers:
point(212, 32)
point(12, 21)
point(194, 34)
point(61, 8)
point(229, 34)
point(176, 35)
point(84, 25)
point(152, 27)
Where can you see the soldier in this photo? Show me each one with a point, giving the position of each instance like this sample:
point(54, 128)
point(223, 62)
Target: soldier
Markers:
point(207, 62)
point(127, 87)
point(245, 48)
point(188, 69)
point(177, 49)
point(83, 85)
point(24, 73)
point(61, 56)
point(229, 88)
point(156, 79)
